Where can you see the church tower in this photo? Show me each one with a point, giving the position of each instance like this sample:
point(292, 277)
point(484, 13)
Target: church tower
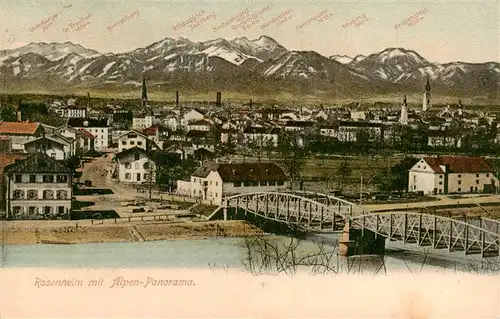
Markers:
point(404, 113)
point(144, 96)
point(427, 96)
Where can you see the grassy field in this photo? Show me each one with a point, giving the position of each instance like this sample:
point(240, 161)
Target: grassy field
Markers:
point(318, 169)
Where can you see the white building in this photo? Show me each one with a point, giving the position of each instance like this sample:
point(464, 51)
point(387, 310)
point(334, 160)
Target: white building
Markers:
point(349, 131)
point(261, 136)
point(214, 181)
point(38, 187)
point(56, 146)
point(191, 116)
point(99, 128)
point(84, 139)
point(76, 111)
point(199, 125)
point(452, 174)
point(135, 165)
point(141, 122)
point(133, 139)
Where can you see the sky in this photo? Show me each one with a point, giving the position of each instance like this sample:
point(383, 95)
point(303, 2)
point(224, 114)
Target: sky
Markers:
point(442, 31)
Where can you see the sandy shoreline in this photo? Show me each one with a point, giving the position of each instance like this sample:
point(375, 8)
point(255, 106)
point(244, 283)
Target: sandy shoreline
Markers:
point(126, 232)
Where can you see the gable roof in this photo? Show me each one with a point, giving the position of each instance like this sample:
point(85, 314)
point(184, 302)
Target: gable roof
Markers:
point(39, 162)
point(251, 172)
point(459, 164)
point(19, 127)
point(133, 132)
point(200, 134)
point(87, 133)
point(55, 139)
point(201, 122)
point(150, 130)
point(239, 172)
point(8, 159)
point(82, 122)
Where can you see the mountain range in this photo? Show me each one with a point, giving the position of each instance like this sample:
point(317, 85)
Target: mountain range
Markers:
point(258, 66)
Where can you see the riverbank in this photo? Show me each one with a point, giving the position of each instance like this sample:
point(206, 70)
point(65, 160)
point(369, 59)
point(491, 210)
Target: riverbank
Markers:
point(127, 232)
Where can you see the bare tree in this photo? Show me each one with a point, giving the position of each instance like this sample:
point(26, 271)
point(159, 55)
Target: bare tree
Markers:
point(266, 257)
point(344, 171)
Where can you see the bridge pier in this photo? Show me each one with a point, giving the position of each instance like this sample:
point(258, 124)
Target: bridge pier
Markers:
point(354, 242)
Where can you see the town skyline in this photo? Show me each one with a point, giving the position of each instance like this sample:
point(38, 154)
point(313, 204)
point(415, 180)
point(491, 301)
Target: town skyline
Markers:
point(331, 30)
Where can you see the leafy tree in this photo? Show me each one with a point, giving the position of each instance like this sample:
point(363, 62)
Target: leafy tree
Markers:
point(396, 177)
point(292, 156)
point(344, 171)
point(170, 168)
point(73, 162)
point(8, 114)
point(362, 141)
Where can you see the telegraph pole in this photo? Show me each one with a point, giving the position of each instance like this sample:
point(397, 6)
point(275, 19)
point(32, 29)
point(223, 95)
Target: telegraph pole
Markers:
point(150, 177)
point(361, 192)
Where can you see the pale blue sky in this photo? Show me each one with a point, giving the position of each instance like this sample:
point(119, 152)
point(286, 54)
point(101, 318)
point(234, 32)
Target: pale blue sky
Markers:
point(449, 31)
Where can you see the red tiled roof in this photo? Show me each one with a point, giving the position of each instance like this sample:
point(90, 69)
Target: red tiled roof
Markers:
point(150, 130)
point(87, 133)
point(459, 164)
point(18, 127)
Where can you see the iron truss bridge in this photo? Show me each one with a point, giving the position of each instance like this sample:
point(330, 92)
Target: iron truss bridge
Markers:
point(325, 213)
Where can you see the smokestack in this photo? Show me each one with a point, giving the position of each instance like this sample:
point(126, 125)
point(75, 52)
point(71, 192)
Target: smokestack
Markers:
point(19, 114)
point(219, 99)
point(176, 98)
point(251, 103)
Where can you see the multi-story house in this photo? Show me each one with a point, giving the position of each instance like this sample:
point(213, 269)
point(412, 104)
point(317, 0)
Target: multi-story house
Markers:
point(84, 139)
point(452, 174)
point(349, 131)
point(191, 116)
point(99, 128)
point(295, 126)
point(200, 139)
point(141, 122)
point(199, 125)
point(21, 132)
point(135, 165)
point(38, 187)
point(79, 111)
point(56, 146)
point(135, 139)
point(261, 136)
point(214, 181)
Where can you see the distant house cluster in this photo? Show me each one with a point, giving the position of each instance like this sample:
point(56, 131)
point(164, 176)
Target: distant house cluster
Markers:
point(208, 132)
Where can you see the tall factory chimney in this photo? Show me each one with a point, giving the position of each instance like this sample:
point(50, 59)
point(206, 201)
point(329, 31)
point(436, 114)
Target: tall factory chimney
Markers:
point(177, 98)
point(219, 99)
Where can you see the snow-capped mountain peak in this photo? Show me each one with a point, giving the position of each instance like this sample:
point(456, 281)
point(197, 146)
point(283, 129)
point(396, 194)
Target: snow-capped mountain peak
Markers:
point(344, 59)
point(53, 51)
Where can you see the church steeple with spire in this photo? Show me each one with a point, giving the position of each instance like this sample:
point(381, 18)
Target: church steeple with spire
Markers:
point(144, 96)
point(427, 96)
point(404, 113)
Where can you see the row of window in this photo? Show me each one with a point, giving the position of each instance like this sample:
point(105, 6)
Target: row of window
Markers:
point(132, 143)
point(460, 182)
point(33, 194)
point(460, 175)
point(128, 176)
point(19, 210)
point(136, 166)
point(261, 183)
point(45, 179)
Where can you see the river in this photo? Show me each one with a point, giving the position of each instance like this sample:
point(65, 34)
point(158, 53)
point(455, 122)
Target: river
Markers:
point(221, 253)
